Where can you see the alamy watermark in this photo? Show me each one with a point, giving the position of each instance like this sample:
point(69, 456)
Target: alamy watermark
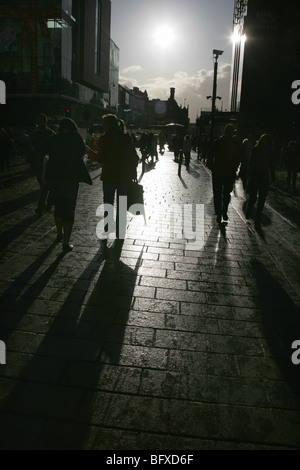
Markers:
point(296, 354)
point(183, 222)
point(176, 221)
point(2, 92)
point(296, 94)
point(2, 353)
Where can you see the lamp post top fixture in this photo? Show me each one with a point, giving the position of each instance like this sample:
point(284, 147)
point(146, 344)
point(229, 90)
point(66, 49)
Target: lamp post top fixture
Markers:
point(217, 53)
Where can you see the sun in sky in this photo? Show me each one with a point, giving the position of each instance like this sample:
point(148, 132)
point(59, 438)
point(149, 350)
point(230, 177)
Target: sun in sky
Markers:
point(164, 36)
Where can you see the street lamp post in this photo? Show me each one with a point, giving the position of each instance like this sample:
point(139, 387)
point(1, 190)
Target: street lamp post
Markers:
point(216, 54)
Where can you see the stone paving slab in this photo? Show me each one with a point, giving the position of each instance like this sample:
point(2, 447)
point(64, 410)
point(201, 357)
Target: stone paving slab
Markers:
point(151, 345)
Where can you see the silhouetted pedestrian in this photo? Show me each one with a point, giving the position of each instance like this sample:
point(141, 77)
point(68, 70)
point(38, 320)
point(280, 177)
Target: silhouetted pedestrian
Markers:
point(6, 149)
point(39, 143)
point(177, 142)
point(292, 161)
point(223, 162)
point(187, 148)
point(244, 155)
point(65, 170)
point(152, 147)
point(162, 142)
point(261, 170)
point(119, 160)
point(144, 143)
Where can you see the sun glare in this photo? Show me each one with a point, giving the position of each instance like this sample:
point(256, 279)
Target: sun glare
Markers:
point(237, 37)
point(164, 36)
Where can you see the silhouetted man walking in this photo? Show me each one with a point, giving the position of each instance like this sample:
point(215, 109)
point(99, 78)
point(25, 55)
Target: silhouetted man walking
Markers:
point(223, 162)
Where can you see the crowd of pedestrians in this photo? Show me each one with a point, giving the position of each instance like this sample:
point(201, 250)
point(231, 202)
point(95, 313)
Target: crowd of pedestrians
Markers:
point(57, 160)
point(58, 163)
point(148, 147)
point(254, 162)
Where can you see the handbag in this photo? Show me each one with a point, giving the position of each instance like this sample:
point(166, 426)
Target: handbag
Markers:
point(135, 195)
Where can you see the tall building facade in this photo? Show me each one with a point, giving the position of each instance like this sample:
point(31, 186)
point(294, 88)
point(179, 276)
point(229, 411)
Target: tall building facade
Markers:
point(56, 58)
point(266, 64)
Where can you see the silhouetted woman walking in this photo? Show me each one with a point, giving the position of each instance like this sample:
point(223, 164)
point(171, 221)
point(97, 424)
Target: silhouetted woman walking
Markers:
point(65, 170)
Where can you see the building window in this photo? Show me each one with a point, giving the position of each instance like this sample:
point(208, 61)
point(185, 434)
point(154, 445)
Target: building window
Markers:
point(52, 24)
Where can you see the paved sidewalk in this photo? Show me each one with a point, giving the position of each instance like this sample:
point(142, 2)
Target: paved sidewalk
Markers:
point(152, 345)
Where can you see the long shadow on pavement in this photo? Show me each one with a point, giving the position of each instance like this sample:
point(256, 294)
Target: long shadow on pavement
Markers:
point(8, 207)
point(17, 178)
point(7, 237)
point(281, 322)
point(14, 303)
point(56, 396)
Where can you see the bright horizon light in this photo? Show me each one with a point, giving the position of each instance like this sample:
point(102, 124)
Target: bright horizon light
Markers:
point(164, 36)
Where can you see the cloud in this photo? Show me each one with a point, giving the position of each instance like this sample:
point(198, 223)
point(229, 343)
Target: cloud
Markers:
point(190, 90)
point(129, 82)
point(132, 69)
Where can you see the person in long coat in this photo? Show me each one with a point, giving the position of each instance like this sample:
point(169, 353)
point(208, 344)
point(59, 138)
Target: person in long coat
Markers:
point(261, 171)
point(223, 162)
point(119, 160)
point(65, 170)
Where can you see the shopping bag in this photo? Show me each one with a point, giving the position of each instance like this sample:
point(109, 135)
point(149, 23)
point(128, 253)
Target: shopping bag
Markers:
point(135, 195)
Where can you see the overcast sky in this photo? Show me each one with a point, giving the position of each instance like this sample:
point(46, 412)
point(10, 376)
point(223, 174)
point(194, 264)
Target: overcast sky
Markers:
point(169, 43)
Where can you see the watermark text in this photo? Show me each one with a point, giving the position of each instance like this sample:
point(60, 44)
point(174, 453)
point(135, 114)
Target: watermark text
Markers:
point(2, 92)
point(296, 354)
point(176, 221)
point(2, 353)
point(296, 94)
